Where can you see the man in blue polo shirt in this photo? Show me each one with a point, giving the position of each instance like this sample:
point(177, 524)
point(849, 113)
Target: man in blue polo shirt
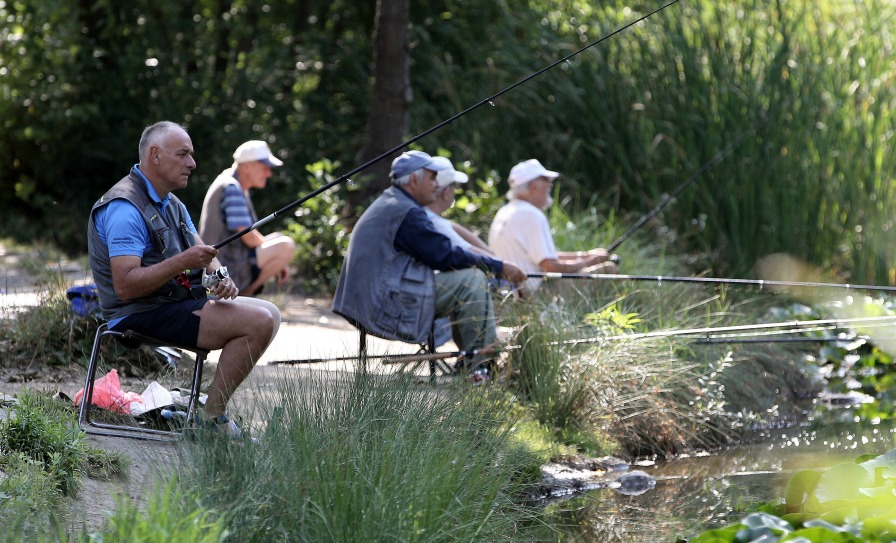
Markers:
point(387, 284)
point(148, 262)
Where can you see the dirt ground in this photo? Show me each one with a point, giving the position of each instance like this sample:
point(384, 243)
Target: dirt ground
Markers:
point(309, 330)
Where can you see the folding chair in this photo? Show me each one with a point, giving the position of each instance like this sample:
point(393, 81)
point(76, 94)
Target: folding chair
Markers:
point(435, 366)
point(133, 339)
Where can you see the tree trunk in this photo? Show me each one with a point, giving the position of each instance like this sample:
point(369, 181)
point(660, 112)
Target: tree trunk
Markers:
point(390, 103)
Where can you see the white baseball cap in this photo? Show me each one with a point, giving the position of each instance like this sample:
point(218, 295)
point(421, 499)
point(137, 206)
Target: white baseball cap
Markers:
point(446, 174)
point(528, 170)
point(255, 150)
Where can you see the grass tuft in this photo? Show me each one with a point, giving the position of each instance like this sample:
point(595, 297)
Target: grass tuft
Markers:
point(368, 458)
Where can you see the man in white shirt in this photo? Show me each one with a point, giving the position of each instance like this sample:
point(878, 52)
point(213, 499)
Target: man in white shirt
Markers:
point(520, 231)
point(447, 181)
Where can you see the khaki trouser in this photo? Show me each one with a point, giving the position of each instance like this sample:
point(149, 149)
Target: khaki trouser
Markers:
point(463, 297)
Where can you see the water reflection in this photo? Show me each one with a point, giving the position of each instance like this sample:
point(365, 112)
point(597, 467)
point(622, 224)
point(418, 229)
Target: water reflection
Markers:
point(699, 492)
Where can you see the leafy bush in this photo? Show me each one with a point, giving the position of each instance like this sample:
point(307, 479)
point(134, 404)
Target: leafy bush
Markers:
point(317, 231)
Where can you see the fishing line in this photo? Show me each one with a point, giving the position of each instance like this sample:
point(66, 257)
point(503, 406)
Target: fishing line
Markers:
point(390, 152)
point(761, 283)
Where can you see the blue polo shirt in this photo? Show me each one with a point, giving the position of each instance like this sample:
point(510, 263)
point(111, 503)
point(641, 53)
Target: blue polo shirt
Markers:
point(122, 229)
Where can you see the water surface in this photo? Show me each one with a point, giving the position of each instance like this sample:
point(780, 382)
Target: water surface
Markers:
point(701, 491)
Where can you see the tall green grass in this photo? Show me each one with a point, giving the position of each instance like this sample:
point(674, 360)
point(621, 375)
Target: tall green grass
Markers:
point(630, 119)
point(362, 458)
point(643, 397)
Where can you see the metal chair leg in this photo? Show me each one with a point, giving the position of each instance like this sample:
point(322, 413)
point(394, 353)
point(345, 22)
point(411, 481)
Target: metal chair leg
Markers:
point(121, 430)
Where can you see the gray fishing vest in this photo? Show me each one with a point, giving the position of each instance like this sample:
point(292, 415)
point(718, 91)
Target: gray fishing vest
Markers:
point(386, 292)
point(170, 235)
point(213, 228)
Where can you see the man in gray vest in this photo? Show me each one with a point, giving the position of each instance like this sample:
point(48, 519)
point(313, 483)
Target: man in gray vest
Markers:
point(387, 285)
point(147, 262)
point(227, 209)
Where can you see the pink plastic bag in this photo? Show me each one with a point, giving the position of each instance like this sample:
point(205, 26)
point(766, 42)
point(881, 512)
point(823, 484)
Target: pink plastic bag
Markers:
point(107, 394)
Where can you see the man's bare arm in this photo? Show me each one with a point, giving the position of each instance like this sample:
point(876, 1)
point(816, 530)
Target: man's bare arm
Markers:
point(131, 280)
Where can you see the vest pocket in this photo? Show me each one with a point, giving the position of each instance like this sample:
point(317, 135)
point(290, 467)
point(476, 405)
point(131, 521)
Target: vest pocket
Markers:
point(401, 313)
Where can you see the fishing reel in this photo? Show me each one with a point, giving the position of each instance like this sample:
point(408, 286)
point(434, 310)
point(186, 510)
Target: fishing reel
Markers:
point(614, 258)
point(212, 279)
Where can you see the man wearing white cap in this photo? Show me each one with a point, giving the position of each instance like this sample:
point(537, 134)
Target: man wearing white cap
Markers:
point(388, 285)
point(447, 182)
point(520, 231)
point(253, 258)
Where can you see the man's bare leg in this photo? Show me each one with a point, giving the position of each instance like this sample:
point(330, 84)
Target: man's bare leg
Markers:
point(273, 256)
point(242, 332)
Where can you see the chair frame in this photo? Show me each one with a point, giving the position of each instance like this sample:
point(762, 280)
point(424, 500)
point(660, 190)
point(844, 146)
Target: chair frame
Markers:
point(131, 338)
point(435, 366)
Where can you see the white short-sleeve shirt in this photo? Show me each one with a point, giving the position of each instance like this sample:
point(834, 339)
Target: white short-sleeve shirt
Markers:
point(520, 233)
point(444, 226)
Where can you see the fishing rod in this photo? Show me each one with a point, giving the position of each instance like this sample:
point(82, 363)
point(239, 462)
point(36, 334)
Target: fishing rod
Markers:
point(761, 283)
point(395, 358)
point(712, 334)
point(819, 339)
point(786, 326)
point(399, 147)
point(718, 157)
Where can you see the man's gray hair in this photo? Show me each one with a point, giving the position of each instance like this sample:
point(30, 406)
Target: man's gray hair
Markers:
point(403, 180)
point(154, 134)
point(515, 192)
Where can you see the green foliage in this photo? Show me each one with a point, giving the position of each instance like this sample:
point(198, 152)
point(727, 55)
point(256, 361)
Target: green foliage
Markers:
point(625, 121)
point(171, 515)
point(50, 333)
point(36, 431)
point(419, 464)
point(541, 377)
point(584, 388)
point(29, 498)
point(611, 322)
point(315, 228)
point(47, 332)
point(105, 465)
point(861, 363)
point(849, 503)
point(43, 455)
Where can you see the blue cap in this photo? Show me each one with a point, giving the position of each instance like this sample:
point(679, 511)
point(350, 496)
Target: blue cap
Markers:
point(411, 161)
